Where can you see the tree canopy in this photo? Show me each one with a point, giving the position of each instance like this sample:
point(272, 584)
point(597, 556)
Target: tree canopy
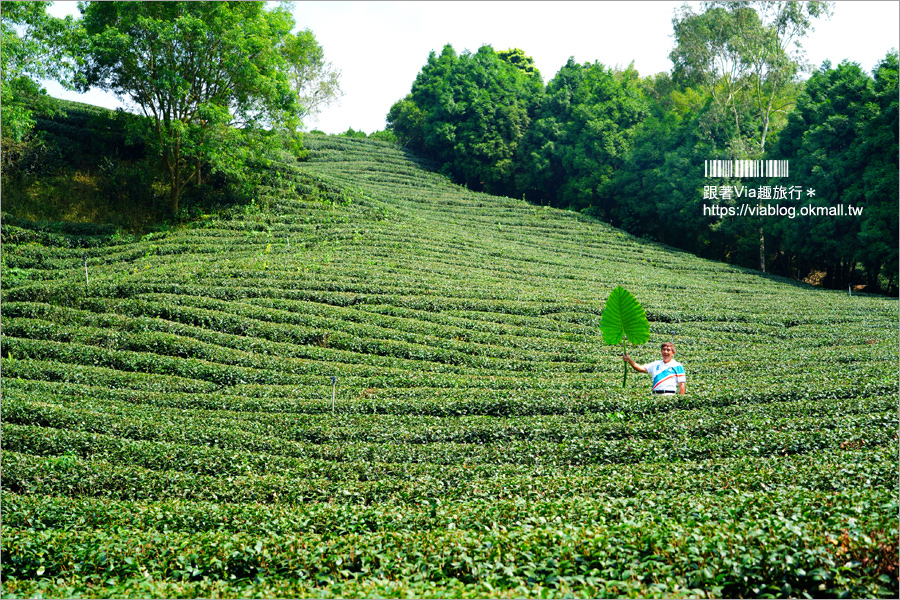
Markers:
point(583, 128)
point(746, 56)
point(315, 80)
point(196, 70)
point(471, 111)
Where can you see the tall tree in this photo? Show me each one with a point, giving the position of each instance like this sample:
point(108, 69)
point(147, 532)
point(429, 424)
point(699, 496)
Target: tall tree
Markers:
point(658, 191)
point(314, 79)
point(196, 70)
point(747, 56)
point(880, 147)
point(470, 111)
point(582, 130)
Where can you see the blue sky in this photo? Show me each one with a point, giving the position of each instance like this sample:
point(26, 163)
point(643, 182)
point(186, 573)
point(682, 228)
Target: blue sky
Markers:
point(379, 47)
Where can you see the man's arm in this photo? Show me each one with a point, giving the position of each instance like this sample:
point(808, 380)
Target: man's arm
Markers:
point(633, 364)
point(681, 388)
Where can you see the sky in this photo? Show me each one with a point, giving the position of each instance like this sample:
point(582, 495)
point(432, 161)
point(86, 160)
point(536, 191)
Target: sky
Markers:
point(380, 47)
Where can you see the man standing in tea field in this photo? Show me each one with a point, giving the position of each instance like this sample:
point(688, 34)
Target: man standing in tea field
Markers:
point(668, 374)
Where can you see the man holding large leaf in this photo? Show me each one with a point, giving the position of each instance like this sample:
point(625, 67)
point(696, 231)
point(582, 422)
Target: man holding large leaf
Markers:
point(668, 374)
point(623, 318)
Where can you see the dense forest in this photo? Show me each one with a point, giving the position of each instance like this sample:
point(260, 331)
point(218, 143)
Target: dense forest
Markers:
point(219, 85)
point(632, 150)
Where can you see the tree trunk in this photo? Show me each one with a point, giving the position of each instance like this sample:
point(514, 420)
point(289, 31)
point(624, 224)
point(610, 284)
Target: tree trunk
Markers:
point(891, 287)
point(847, 272)
point(177, 185)
point(766, 117)
point(762, 250)
point(830, 280)
point(873, 286)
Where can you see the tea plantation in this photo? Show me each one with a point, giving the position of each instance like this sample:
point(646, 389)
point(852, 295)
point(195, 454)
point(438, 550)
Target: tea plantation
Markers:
point(170, 426)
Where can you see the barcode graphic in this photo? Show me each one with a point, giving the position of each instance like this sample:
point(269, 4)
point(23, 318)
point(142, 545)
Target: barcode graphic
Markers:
point(745, 168)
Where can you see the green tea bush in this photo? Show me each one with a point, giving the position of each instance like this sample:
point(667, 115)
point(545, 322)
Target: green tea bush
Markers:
point(170, 426)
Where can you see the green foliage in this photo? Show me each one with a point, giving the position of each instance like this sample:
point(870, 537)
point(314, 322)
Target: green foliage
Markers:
point(470, 112)
point(745, 55)
point(737, 64)
point(518, 58)
point(582, 131)
point(196, 70)
point(658, 191)
point(878, 235)
point(352, 133)
point(167, 425)
point(840, 143)
point(85, 165)
point(624, 317)
point(384, 135)
point(80, 166)
point(407, 122)
point(314, 80)
point(34, 46)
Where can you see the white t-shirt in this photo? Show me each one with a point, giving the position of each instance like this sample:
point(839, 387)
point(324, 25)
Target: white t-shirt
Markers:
point(666, 375)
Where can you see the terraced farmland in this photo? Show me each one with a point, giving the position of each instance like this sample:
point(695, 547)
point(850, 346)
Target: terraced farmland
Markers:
point(171, 427)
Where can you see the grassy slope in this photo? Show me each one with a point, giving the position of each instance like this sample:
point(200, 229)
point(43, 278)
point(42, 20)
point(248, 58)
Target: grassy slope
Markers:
point(80, 169)
point(478, 414)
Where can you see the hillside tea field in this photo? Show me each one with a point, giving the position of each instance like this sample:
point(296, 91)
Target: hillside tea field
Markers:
point(170, 427)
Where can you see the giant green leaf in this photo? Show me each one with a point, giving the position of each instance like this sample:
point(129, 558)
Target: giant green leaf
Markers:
point(624, 317)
